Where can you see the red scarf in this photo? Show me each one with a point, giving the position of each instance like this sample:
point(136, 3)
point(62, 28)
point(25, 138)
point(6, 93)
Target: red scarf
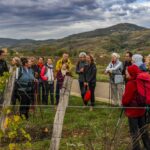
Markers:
point(113, 62)
point(40, 65)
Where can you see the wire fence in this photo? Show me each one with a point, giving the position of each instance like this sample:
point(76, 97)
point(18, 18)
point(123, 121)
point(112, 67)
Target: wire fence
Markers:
point(82, 129)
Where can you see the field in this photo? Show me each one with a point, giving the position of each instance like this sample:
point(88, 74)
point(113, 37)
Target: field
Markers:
point(82, 130)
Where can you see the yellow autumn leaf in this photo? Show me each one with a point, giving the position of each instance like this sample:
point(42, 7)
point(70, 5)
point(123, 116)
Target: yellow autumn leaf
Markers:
point(12, 146)
point(6, 122)
point(8, 111)
point(16, 118)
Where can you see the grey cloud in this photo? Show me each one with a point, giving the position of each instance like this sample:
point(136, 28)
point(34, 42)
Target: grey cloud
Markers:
point(41, 16)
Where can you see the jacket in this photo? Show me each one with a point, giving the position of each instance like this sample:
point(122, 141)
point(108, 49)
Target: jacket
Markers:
point(115, 69)
point(60, 78)
point(39, 68)
point(78, 67)
point(90, 73)
point(60, 63)
point(3, 67)
point(125, 65)
point(129, 96)
point(44, 73)
point(26, 77)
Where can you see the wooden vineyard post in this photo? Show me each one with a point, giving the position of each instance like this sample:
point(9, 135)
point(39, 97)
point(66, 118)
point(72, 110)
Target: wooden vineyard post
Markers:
point(60, 113)
point(8, 93)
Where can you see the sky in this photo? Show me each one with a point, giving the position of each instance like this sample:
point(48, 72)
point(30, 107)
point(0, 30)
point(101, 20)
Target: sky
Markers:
point(55, 19)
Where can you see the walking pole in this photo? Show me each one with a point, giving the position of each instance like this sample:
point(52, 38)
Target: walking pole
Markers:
point(110, 93)
point(117, 125)
point(147, 114)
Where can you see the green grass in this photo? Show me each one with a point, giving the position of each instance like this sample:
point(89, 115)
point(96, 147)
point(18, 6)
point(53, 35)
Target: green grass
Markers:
point(82, 129)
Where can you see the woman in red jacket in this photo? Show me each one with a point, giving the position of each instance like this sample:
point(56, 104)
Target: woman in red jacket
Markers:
point(136, 116)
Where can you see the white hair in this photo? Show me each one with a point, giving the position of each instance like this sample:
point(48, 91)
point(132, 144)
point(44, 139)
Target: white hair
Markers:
point(115, 55)
point(82, 54)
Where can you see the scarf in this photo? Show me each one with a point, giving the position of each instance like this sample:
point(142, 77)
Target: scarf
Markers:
point(40, 65)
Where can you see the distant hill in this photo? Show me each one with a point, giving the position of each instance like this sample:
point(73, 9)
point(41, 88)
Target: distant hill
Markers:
point(121, 28)
point(115, 38)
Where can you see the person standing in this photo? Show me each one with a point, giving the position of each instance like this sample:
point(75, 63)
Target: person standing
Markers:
point(137, 59)
point(135, 114)
point(40, 82)
point(80, 71)
point(127, 63)
point(65, 59)
point(16, 63)
point(47, 75)
point(34, 66)
point(24, 82)
point(60, 79)
point(3, 68)
point(114, 70)
point(90, 71)
point(3, 64)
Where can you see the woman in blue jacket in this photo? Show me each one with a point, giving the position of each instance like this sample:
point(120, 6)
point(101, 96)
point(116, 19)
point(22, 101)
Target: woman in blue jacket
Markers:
point(25, 85)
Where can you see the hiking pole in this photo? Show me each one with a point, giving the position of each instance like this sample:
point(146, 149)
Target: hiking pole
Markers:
point(117, 125)
point(147, 114)
point(110, 93)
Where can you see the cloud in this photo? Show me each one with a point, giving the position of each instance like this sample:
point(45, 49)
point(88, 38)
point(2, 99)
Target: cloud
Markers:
point(42, 19)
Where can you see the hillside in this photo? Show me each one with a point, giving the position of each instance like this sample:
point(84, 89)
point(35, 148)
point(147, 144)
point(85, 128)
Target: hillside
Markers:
point(120, 28)
point(114, 38)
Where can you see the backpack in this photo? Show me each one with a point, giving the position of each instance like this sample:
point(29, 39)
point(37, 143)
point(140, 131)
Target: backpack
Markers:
point(143, 89)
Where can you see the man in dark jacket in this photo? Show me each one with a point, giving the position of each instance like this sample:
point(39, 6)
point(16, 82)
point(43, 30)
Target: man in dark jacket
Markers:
point(80, 71)
point(3, 68)
point(127, 63)
point(3, 64)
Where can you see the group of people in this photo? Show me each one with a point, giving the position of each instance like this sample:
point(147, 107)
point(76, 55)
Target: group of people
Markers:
point(126, 75)
point(35, 83)
point(35, 79)
point(117, 72)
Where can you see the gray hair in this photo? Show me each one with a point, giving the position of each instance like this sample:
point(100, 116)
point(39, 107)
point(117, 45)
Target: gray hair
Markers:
point(82, 54)
point(137, 59)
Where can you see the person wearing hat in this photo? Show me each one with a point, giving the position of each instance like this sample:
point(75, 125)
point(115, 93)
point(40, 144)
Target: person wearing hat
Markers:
point(135, 114)
point(80, 71)
point(114, 70)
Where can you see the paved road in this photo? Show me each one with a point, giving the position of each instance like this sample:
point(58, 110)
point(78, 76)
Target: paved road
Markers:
point(101, 92)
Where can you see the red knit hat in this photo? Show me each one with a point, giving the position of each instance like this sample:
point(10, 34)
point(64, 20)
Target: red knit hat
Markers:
point(134, 71)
